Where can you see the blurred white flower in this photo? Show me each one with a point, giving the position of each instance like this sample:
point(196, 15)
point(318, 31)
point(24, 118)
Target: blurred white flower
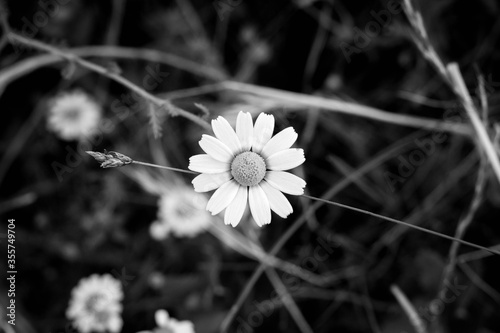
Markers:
point(180, 212)
point(248, 165)
point(73, 115)
point(95, 304)
point(170, 325)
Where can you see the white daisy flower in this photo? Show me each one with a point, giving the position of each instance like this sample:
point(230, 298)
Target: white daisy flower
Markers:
point(182, 213)
point(170, 325)
point(95, 304)
point(248, 165)
point(73, 115)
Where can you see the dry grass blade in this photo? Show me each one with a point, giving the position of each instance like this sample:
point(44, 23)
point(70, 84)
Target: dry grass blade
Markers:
point(464, 224)
point(415, 320)
point(288, 301)
point(154, 120)
point(480, 283)
point(344, 107)
point(105, 72)
point(484, 139)
point(403, 223)
point(246, 247)
point(453, 77)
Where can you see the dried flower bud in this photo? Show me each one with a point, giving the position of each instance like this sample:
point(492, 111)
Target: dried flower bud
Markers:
point(99, 157)
point(112, 163)
point(121, 157)
point(110, 159)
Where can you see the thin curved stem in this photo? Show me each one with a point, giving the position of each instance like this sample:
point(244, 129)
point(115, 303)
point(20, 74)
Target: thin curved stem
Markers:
point(409, 225)
point(164, 167)
point(172, 110)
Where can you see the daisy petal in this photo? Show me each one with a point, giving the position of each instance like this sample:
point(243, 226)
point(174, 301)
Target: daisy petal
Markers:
point(236, 208)
point(208, 182)
point(262, 132)
point(206, 164)
point(225, 133)
point(259, 205)
point(222, 197)
point(244, 130)
point(286, 182)
point(215, 148)
point(281, 141)
point(278, 202)
point(285, 159)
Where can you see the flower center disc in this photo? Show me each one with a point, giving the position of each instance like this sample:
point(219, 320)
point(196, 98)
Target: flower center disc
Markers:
point(248, 168)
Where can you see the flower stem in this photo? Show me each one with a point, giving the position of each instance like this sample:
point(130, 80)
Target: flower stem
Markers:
point(409, 225)
point(164, 167)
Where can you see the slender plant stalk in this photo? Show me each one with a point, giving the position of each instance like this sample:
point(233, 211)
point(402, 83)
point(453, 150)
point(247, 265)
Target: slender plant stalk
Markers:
point(464, 224)
point(164, 167)
point(344, 107)
point(453, 77)
point(476, 255)
point(285, 297)
point(288, 301)
point(480, 283)
point(482, 135)
point(415, 320)
point(435, 233)
point(26, 66)
point(251, 249)
point(172, 110)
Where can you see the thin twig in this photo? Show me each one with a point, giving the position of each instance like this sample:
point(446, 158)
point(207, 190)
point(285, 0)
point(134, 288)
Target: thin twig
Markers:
point(367, 304)
point(4, 23)
point(409, 225)
point(348, 108)
point(298, 99)
point(365, 186)
point(409, 309)
point(476, 255)
point(283, 294)
point(288, 301)
point(318, 44)
point(28, 65)
point(164, 167)
point(115, 24)
point(422, 211)
point(482, 134)
point(464, 224)
point(193, 20)
point(480, 283)
point(453, 77)
point(483, 98)
point(424, 100)
point(173, 110)
point(250, 249)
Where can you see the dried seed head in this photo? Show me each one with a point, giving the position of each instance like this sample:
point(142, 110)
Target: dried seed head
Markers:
point(110, 159)
point(99, 157)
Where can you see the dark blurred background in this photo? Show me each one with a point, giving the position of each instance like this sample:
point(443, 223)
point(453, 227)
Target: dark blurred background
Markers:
point(96, 221)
